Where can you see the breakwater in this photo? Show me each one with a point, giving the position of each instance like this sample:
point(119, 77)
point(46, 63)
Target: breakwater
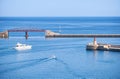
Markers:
point(83, 35)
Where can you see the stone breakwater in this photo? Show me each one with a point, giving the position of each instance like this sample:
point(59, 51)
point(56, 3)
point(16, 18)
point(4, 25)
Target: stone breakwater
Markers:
point(53, 35)
point(4, 34)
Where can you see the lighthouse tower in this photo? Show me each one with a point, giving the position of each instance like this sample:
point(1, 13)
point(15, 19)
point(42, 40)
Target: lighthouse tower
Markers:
point(95, 42)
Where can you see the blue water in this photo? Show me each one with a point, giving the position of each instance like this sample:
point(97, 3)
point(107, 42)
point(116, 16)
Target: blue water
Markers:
point(73, 60)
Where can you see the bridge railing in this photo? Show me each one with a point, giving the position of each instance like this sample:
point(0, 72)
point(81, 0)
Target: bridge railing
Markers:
point(26, 30)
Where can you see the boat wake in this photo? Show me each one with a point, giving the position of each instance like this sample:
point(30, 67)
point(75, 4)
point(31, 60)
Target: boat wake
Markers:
point(5, 49)
point(28, 63)
point(69, 70)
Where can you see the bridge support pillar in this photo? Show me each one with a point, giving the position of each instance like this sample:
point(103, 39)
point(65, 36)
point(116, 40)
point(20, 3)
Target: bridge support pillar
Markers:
point(26, 35)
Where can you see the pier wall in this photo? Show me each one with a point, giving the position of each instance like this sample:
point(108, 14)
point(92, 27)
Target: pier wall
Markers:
point(82, 35)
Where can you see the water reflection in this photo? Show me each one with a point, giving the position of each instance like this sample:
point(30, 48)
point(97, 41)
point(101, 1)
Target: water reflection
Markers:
point(95, 53)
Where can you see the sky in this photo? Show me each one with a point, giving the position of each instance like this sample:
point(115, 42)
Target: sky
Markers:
point(59, 8)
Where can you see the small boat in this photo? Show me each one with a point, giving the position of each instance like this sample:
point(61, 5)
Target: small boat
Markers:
point(53, 57)
point(20, 46)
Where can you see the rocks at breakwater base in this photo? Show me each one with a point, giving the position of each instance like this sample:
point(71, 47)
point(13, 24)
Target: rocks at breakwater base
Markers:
point(50, 33)
point(4, 34)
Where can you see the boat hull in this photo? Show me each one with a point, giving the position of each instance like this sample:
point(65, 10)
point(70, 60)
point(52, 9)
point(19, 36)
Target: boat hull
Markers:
point(23, 48)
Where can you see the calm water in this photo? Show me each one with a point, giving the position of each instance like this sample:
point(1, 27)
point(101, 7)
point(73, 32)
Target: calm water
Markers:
point(73, 60)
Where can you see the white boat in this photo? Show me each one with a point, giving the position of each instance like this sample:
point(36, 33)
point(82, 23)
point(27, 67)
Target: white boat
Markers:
point(20, 46)
point(53, 57)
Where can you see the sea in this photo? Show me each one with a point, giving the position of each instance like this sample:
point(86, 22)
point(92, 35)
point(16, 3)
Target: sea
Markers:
point(59, 58)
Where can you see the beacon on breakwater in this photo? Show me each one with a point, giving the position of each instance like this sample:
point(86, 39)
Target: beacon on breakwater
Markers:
point(99, 46)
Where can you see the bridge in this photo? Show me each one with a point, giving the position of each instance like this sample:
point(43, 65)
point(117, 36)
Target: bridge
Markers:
point(26, 31)
point(47, 32)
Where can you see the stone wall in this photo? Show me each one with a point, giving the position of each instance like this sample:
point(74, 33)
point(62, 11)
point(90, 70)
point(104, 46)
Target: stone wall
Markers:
point(4, 34)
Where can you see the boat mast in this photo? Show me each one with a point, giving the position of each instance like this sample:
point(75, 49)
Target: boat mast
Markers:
point(59, 29)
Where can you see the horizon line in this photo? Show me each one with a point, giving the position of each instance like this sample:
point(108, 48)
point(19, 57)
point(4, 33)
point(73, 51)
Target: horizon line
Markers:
point(50, 16)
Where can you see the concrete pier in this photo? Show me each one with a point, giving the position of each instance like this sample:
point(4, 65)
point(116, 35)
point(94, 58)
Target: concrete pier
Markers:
point(4, 34)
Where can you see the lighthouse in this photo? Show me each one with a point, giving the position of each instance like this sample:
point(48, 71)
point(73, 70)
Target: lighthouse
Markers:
point(95, 42)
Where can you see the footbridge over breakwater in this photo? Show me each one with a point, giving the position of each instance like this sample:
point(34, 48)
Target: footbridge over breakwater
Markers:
point(47, 32)
point(51, 34)
point(6, 33)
